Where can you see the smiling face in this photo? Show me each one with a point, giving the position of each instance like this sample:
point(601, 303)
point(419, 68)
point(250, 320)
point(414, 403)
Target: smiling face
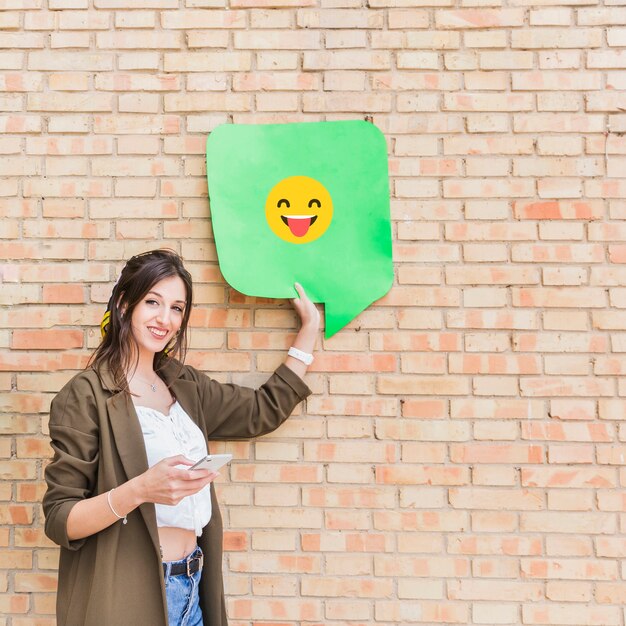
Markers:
point(299, 209)
point(158, 316)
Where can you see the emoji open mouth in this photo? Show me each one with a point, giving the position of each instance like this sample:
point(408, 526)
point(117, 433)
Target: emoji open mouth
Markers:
point(299, 224)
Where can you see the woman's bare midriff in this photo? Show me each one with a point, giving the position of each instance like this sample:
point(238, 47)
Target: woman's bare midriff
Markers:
point(176, 543)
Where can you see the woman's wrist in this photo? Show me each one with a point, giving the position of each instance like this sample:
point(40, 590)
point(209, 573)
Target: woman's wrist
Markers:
point(136, 496)
point(306, 338)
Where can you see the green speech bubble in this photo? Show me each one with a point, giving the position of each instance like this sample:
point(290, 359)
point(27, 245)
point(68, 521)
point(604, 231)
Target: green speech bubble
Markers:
point(270, 187)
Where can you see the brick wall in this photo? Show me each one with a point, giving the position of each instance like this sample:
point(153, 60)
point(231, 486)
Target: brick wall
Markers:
point(463, 457)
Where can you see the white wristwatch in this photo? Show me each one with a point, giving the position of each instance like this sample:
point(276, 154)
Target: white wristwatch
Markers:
point(305, 357)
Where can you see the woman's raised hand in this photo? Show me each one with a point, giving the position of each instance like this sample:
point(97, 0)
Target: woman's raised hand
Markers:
point(307, 335)
point(166, 483)
point(307, 311)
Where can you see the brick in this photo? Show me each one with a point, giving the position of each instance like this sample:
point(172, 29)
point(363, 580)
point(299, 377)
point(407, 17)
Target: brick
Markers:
point(484, 296)
point(487, 590)
point(194, 19)
point(485, 39)
point(21, 40)
point(78, 61)
point(479, 18)
point(557, 38)
point(283, 81)
point(496, 453)
point(567, 479)
point(559, 101)
point(140, 4)
point(487, 102)
point(567, 614)
point(493, 364)
point(10, 21)
point(425, 431)
point(494, 431)
point(555, 122)
point(570, 569)
point(564, 298)
point(137, 82)
point(495, 499)
point(407, 81)
point(508, 545)
point(556, 80)
point(277, 60)
point(277, 40)
point(430, 611)
point(561, 166)
point(408, 19)
point(551, 17)
point(616, 36)
point(564, 545)
point(598, 16)
point(610, 593)
point(206, 62)
point(135, 19)
point(493, 275)
point(567, 386)
point(501, 409)
point(566, 523)
point(48, 340)
point(292, 609)
point(350, 60)
point(487, 145)
point(417, 60)
point(558, 342)
point(468, 61)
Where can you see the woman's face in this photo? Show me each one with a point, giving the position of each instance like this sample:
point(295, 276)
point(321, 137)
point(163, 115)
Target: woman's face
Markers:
point(159, 314)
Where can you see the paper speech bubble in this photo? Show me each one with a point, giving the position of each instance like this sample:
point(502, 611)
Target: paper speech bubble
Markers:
point(305, 203)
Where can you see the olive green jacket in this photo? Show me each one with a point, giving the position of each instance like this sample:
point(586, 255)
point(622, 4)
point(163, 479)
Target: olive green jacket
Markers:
point(115, 576)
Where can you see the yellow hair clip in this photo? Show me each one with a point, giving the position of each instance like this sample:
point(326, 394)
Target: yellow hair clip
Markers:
point(106, 319)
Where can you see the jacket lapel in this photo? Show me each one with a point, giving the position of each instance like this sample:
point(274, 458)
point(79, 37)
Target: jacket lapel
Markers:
point(185, 391)
point(132, 451)
point(128, 435)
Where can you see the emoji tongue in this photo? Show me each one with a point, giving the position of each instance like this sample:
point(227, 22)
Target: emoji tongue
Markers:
point(298, 225)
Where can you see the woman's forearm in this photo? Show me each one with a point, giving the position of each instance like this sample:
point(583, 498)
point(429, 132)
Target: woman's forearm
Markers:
point(305, 341)
point(92, 515)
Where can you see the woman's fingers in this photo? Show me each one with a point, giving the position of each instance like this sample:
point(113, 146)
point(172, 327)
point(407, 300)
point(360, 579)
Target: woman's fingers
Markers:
point(179, 459)
point(304, 307)
point(191, 486)
point(168, 483)
point(195, 484)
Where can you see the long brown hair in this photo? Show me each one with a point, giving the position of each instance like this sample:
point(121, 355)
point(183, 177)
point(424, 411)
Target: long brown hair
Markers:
point(118, 345)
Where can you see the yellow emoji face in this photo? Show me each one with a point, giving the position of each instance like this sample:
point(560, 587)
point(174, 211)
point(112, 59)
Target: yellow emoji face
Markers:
point(299, 209)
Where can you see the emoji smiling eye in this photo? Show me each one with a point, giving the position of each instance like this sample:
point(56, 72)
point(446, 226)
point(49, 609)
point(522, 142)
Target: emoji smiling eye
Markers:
point(319, 204)
point(283, 201)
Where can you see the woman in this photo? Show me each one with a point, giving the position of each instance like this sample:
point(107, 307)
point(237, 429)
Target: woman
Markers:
point(140, 533)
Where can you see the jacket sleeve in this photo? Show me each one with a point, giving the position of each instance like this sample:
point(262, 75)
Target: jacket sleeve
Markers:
point(234, 412)
point(71, 475)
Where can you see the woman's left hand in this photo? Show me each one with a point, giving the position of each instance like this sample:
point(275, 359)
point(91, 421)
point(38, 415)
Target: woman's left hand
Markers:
point(307, 311)
point(307, 335)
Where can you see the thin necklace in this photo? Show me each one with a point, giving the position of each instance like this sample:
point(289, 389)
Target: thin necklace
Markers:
point(152, 384)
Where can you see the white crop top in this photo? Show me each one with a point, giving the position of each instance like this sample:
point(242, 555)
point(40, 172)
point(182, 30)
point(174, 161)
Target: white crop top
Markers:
point(169, 435)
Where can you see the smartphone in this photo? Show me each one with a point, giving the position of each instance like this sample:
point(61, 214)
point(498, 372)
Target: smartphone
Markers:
point(212, 462)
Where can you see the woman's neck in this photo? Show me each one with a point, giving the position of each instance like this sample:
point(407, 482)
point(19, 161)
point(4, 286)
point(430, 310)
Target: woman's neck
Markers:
point(144, 368)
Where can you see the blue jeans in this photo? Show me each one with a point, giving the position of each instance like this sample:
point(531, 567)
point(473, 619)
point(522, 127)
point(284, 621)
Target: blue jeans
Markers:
point(183, 600)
